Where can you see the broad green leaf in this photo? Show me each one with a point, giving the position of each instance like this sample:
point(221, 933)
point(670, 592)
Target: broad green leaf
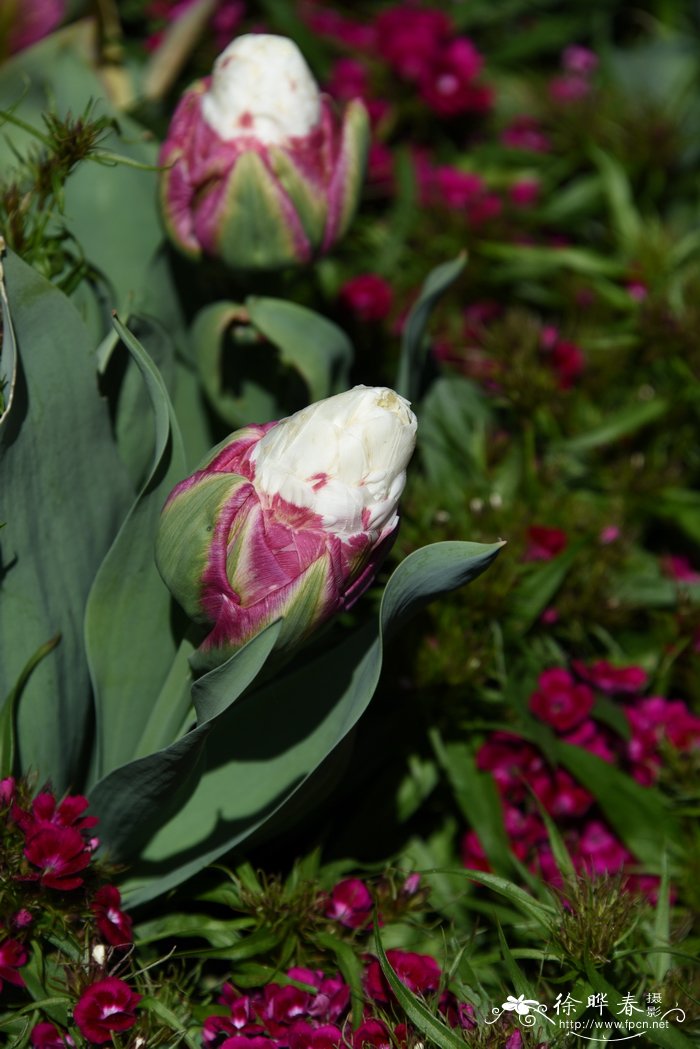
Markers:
point(640, 815)
point(413, 342)
point(127, 624)
point(318, 349)
point(240, 378)
point(8, 356)
point(267, 745)
point(56, 452)
point(109, 208)
point(135, 799)
point(8, 713)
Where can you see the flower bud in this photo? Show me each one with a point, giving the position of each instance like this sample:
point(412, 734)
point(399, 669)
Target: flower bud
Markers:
point(288, 520)
point(259, 170)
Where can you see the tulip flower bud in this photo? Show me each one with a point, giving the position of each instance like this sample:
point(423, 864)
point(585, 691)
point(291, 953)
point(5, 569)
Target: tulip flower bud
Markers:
point(288, 520)
point(259, 170)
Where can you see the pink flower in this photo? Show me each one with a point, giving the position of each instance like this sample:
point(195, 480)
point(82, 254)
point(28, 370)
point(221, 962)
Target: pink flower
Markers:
point(358, 36)
point(61, 853)
point(106, 1006)
point(410, 39)
point(562, 796)
point(679, 567)
point(350, 903)
point(372, 1034)
point(46, 1036)
point(524, 192)
point(485, 208)
point(560, 701)
point(13, 955)
point(23, 919)
point(589, 736)
point(609, 534)
point(368, 296)
point(454, 188)
point(510, 761)
point(7, 791)
point(380, 167)
point(611, 679)
point(544, 543)
point(348, 79)
point(525, 133)
point(570, 88)
point(114, 925)
point(31, 20)
point(599, 851)
point(472, 852)
point(578, 59)
point(419, 972)
point(303, 1035)
point(448, 87)
point(568, 361)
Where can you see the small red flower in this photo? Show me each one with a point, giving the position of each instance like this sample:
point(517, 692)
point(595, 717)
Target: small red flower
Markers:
point(419, 972)
point(105, 1006)
point(350, 903)
point(46, 1036)
point(368, 296)
point(13, 955)
point(560, 701)
point(544, 543)
point(61, 853)
point(114, 925)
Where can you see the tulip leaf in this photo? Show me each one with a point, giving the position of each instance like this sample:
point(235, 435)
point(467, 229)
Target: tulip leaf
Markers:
point(248, 397)
point(268, 745)
point(127, 625)
point(56, 449)
point(319, 350)
point(8, 357)
point(413, 342)
point(134, 799)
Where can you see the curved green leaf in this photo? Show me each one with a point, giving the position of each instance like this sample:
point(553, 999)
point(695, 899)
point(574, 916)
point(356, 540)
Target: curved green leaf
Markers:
point(318, 349)
point(135, 799)
point(268, 745)
point(56, 451)
point(128, 636)
point(413, 342)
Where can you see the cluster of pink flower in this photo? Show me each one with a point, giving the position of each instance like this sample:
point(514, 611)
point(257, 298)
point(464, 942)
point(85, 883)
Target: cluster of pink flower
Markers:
point(564, 700)
point(45, 867)
point(419, 45)
point(225, 20)
point(564, 358)
point(315, 1014)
